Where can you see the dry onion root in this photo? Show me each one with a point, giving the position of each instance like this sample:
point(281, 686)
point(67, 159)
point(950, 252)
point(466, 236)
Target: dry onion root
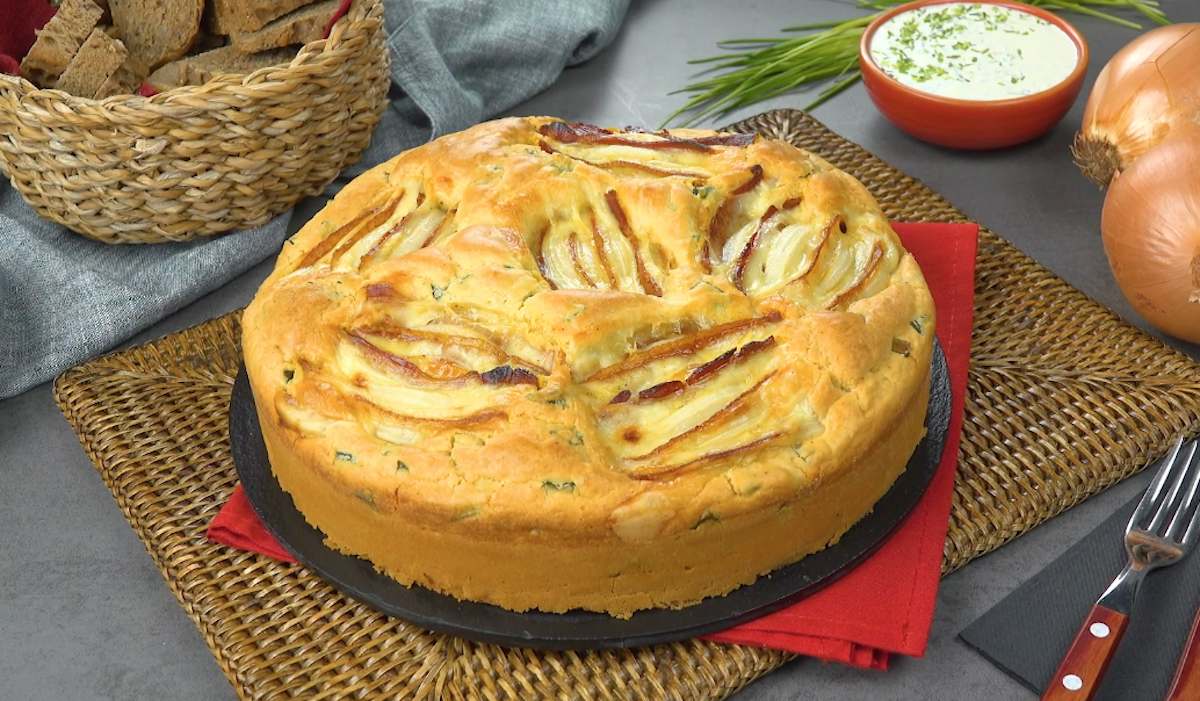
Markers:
point(1151, 232)
point(1149, 91)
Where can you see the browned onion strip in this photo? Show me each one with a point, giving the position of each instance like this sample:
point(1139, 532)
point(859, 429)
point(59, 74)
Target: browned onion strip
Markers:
point(441, 225)
point(397, 228)
point(722, 139)
point(729, 358)
point(718, 232)
point(720, 224)
point(484, 347)
point(610, 275)
point(541, 259)
point(868, 272)
point(835, 222)
point(662, 389)
point(390, 362)
point(423, 423)
point(683, 345)
point(707, 370)
point(573, 249)
point(660, 471)
point(383, 214)
point(649, 285)
point(657, 471)
point(576, 133)
point(698, 375)
point(723, 415)
point(739, 270)
point(621, 163)
point(327, 244)
point(756, 177)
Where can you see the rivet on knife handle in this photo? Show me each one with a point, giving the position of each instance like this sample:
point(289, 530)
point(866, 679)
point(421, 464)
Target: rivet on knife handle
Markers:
point(1079, 675)
point(1186, 685)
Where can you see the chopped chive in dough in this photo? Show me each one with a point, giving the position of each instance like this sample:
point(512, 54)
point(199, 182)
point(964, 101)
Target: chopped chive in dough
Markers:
point(365, 496)
point(916, 326)
point(469, 513)
point(437, 291)
point(572, 437)
point(401, 467)
point(708, 517)
point(556, 486)
point(343, 456)
point(288, 374)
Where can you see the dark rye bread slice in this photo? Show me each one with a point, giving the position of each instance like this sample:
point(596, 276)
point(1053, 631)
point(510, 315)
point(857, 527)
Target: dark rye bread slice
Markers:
point(199, 69)
point(231, 16)
point(296, 27)
point(95, 62)
point(157, 31)
point(58, 42)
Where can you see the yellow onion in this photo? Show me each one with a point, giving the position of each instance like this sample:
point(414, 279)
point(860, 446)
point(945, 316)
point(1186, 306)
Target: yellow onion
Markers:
point(1151, 231)
point(1149, 91)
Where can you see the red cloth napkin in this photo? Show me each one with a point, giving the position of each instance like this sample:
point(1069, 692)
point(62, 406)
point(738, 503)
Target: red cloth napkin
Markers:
point(343, 8)
point(882, 607)
point(885, 605)
point(19, 19)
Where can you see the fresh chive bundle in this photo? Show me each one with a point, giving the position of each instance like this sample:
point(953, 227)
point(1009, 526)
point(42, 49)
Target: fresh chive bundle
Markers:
point(759, 69)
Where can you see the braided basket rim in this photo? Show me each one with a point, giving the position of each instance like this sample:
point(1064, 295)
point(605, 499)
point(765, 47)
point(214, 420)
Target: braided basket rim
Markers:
point(83, 180)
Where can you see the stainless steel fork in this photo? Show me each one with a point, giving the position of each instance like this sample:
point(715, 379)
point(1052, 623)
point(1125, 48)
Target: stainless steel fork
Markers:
point(1164, 526)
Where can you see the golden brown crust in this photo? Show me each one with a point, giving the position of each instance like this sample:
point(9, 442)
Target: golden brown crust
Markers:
point(551, 366)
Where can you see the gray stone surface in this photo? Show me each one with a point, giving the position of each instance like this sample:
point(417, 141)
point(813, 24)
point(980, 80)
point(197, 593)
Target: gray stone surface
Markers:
point(84, 613)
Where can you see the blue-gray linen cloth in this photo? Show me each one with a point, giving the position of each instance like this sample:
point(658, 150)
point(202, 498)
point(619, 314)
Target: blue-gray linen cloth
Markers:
point(455, 63)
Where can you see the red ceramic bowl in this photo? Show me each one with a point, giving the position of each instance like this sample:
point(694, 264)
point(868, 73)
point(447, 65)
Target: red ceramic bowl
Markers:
point(971, 124)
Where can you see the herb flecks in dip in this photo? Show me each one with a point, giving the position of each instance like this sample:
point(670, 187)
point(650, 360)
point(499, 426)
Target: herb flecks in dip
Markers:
point(974, 51)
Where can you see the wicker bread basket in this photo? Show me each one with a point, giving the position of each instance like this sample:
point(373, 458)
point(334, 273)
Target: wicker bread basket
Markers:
point(199, 160)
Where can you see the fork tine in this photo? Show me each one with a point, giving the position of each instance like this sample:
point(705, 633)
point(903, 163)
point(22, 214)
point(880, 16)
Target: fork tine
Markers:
point(1154, 491)
point(1185, 516)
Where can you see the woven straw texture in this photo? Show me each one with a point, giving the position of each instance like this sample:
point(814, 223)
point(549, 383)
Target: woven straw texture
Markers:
point(199, 160)
point(1064, 399)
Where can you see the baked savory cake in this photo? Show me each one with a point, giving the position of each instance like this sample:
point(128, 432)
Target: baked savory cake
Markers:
point(552, 366)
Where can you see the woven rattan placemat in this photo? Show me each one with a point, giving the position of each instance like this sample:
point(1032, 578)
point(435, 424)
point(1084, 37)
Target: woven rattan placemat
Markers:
point(1064, 399)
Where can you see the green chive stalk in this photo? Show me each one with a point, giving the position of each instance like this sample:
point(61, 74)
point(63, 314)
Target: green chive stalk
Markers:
point(755, 70)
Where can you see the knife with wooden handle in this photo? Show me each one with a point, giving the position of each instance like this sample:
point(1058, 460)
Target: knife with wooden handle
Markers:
point(1082, 668)
point(1186, 685)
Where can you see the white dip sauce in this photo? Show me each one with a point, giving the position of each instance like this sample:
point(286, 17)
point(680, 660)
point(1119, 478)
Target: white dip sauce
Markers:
point(974, 51)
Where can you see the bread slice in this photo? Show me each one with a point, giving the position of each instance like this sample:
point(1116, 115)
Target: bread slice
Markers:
point(248, 15)
point(199, 69)
point(157, 31)
point(296, 27)
point(58, 42)
point(95, 62)
point(126, 81)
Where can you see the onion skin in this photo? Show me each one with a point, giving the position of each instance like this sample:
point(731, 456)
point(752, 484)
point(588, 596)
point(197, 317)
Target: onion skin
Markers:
point(1150, 226)
point(1147, 92)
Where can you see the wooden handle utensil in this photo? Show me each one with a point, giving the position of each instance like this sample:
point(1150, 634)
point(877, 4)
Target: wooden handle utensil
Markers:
point(1186, 685)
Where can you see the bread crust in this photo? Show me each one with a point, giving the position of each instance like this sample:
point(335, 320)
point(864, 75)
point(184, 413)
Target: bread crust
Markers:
point(549, 366)
point(299, 26)
point(154, 43)
point(96, 62)
point(58, 42)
